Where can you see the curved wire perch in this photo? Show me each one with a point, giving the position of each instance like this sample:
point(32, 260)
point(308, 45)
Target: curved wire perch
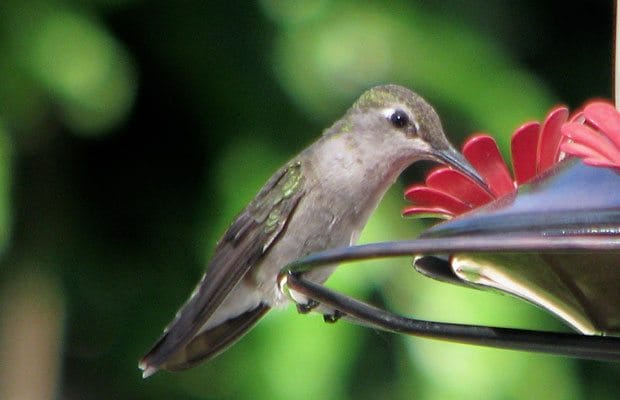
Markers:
point(601, 348)
point(525, 242)
point(568, 344)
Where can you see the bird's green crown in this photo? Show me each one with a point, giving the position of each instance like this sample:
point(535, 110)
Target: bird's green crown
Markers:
point(380, 96)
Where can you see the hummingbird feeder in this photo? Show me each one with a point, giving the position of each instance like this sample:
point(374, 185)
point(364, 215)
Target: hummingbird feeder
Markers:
point(550, 235)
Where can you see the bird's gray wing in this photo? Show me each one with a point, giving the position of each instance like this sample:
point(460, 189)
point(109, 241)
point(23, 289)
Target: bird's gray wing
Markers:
point(243, 245)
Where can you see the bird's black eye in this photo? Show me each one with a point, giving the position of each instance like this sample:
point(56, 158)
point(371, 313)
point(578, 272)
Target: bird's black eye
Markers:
point(399, 119)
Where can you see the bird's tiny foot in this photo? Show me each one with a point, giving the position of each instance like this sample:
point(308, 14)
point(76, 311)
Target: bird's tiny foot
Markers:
point(307, 307)
point(332, 318)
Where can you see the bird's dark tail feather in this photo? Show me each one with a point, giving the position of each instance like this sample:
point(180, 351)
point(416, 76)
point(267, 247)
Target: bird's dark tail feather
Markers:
point(204, 346)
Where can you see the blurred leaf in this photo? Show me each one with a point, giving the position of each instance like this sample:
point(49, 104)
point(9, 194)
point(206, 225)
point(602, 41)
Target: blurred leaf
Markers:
point(77, 63)
point(353, 45)
point(6, 178)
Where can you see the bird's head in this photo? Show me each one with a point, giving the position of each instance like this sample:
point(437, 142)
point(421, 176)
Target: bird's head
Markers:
point(402, 127)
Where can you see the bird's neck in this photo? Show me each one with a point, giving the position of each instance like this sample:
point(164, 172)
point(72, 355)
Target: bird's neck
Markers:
point(345, 160)
point(350, 175)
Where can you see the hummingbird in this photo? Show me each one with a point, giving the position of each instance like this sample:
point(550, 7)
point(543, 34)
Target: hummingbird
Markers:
point(320, 199)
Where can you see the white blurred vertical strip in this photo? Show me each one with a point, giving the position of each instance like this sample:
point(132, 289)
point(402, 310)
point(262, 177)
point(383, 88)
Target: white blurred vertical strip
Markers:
point(31, 336)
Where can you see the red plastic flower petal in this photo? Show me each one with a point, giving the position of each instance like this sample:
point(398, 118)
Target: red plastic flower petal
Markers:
point(593, 135)
point(523, 150)
point(597, 138)
point(550, 138)
point(482, 152)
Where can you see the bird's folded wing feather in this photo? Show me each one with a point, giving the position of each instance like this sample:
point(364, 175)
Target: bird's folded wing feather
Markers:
point(244, 244)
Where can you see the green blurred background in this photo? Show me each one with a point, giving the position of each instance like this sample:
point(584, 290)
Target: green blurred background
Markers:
point(131, 132)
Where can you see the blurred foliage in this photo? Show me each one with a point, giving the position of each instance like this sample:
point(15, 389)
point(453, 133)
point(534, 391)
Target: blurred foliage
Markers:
point(131, 132)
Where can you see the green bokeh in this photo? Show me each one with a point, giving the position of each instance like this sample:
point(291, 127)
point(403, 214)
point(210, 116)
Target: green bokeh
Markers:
point(132, 132)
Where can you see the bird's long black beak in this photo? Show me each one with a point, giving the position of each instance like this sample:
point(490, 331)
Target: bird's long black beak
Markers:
point(456, 160)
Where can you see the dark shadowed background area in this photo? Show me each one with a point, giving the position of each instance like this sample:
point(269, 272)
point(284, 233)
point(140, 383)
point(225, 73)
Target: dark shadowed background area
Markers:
point(131, 132)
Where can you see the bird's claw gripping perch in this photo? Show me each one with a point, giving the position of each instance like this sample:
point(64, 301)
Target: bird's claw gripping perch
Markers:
point(305, 308)
point(334, 317)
